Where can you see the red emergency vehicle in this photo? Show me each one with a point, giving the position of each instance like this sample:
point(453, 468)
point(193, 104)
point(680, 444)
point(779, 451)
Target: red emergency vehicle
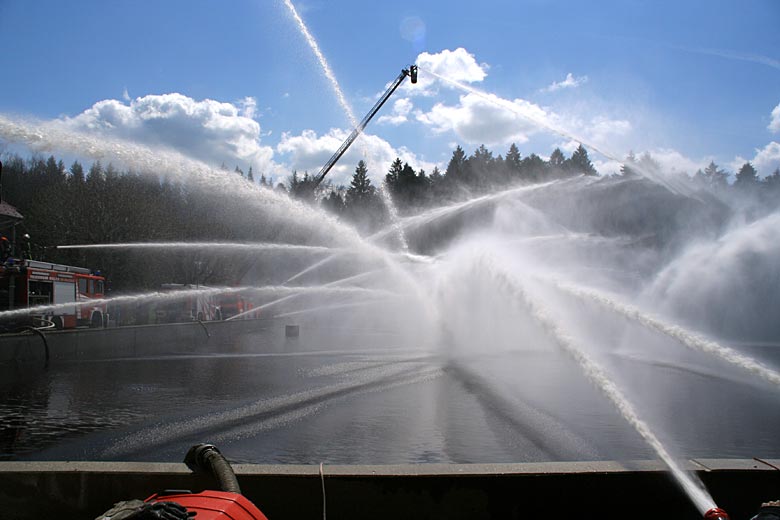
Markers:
point(200, 307)
point(30, 283)
point(233, 304)
point(190, 307)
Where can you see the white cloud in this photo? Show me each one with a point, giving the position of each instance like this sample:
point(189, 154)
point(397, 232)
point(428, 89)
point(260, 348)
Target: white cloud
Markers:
point(774, 124)
point(765, 160)
point(569, 82)
point(672, 161)
point(458, 65)
point(568, 146)
point(401, 109)
point(247, 107)
point(208, 130)
point(600, 131)
point(606, 166)
point(308, 151)
point(486, 119)
point(603, 130)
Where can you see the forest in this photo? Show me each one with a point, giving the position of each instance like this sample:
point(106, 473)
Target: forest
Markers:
point(100, 204)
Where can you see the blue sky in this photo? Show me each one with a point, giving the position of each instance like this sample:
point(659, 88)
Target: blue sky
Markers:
point(687, 81)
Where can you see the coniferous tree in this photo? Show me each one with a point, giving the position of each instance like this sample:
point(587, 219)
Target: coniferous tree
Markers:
point(557, 159)
point(437, 188)
point(95, 174)
point(250, 176)
point(580, 164)
point(362, 203)
point(77, 173)
point(303, 188)
point(713, 177)
point(648, 165)
point(770, 189)
point(557, 163)
point(391, 179)
point(334, 203)
point(747, 177)
point(54, 171)
point(360, 188)
point(513, 161)
point(773, 181)
point(404, 189)
point(456, 168)
point(111, 172)
point(533, 168)
point(629, 166)
point(478, 169)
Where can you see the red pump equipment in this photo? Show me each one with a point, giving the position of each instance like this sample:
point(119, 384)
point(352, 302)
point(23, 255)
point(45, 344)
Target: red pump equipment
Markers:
point(227, 504)
point(716, 513)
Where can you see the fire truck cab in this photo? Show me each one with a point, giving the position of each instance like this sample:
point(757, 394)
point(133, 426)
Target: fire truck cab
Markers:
point(31, 283)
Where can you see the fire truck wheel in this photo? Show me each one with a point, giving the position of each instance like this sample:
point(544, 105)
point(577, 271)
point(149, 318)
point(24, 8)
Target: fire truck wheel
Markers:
point(57, 321)
point(97, 320)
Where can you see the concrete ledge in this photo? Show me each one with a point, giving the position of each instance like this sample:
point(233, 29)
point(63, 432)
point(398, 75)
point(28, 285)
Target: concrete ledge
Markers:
point(400, 470)
point(141, 340)
point(608, 489)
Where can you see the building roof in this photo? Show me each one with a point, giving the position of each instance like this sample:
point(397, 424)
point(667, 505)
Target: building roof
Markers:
point(9, 217)
point(9, 212)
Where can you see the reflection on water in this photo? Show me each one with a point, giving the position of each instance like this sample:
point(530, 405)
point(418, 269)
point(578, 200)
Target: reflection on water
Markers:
point(375, 407)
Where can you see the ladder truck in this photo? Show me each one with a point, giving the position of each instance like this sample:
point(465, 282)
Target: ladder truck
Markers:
point(411, 72)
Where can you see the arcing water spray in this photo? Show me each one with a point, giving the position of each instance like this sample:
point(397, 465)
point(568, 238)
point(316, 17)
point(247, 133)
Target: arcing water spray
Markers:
point(597, 375)
point(687, 338)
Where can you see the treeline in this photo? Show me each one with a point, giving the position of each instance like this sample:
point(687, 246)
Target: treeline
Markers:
point(101, 205)
point(412, 190)
point(482, 172)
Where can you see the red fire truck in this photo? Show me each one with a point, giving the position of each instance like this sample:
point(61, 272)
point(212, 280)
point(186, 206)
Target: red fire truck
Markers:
point(29, 283)
point(233, 304)
point(200, 307)
point(189, 307)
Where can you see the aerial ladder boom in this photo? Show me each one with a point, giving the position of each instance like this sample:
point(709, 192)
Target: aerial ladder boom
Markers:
point(412, 73)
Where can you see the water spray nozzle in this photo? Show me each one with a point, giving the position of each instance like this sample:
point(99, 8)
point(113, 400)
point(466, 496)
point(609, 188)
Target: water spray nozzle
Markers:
point(716, 513)
point(413, 73)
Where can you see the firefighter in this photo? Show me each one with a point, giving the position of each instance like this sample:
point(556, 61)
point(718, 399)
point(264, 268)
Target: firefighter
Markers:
point(26, 252)
point(769, 511)
point(5, 248)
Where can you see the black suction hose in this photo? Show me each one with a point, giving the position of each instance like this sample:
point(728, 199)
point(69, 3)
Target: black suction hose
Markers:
point(206, 458)
point(45, 343)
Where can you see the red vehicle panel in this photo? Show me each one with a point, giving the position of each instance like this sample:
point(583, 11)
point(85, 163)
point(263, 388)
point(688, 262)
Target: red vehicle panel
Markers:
point(31, 283)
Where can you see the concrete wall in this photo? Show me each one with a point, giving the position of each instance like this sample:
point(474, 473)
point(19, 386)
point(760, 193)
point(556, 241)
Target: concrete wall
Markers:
point(137, 341)
point(181, 338)
point(640, 490)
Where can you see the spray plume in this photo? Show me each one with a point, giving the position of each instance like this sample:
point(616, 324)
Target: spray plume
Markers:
point(323, 62)
point(213, 246)
point(687, 338)
point(598, 376)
